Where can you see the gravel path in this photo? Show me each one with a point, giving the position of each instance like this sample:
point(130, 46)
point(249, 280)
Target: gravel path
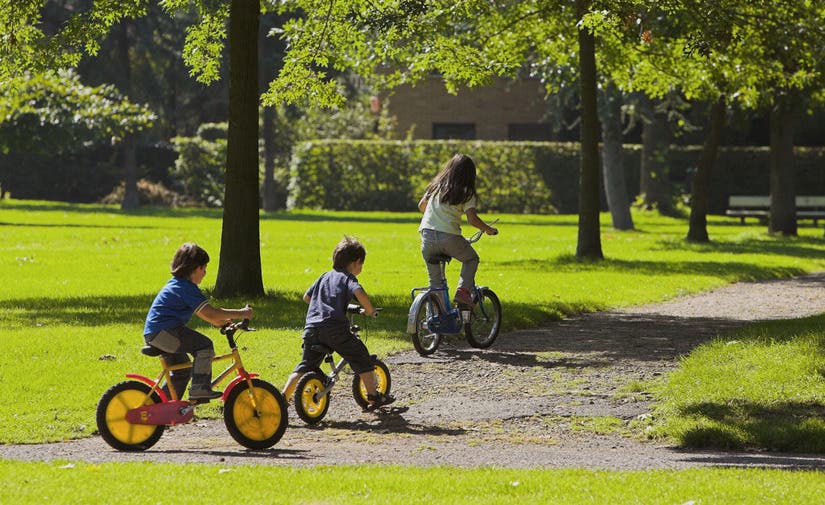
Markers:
point(522, 403)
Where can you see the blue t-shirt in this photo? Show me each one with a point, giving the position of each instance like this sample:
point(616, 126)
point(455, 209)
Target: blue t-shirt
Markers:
point(329, 297)
point(174, 305)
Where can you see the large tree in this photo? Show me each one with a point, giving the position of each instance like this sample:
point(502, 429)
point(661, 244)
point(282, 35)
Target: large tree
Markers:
point(402, 41)
point(757, 54)
point(31, 45)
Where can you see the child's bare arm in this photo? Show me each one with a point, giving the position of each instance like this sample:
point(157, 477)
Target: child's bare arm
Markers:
point(422, 204)
point(365, 302)
point(219, 317)
point(473, 219)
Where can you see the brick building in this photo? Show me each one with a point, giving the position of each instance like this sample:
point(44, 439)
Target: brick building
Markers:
point(505, 110)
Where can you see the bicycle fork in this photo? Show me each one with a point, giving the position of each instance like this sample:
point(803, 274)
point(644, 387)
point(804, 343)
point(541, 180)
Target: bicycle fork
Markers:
point(332, 378)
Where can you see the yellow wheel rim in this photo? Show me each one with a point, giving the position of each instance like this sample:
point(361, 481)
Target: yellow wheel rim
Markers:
point(119, 427)
point(259, 425)
point(313, 407)
point(380, 383)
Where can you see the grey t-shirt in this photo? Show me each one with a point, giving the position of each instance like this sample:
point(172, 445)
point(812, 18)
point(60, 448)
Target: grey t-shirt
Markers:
point(329, 297)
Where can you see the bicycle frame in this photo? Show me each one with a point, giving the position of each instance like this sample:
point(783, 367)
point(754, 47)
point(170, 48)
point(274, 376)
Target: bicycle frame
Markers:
point(451, 320)
point(332, 377)
point(165, 374)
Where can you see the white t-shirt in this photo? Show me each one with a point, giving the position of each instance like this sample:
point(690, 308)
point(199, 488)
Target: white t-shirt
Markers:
point(444, 217)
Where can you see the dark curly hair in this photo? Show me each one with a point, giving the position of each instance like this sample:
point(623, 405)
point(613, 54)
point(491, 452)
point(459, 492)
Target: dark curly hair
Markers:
point(347, 251)
point(187, 258)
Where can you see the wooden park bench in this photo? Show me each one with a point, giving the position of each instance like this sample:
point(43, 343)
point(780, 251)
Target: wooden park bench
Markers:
point(807, 207)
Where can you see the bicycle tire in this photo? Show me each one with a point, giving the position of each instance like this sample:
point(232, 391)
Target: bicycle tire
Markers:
point(485, 320)
point(424, 340)
point(253, 428)
point(309, 407)
point(111, 420)
point(383, 383)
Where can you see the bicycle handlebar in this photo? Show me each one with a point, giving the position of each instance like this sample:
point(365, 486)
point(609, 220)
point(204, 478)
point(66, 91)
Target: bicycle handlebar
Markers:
point(475, 237)
point(354, 308)
point(235, 326)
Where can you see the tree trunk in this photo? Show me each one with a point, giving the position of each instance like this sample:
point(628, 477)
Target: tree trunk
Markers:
point(131, 199)
point(654, 180)
point(700, 192)
point(783, 193)
point(615, 187)
point(239, 272)
point(589, 240)
point(268, 132)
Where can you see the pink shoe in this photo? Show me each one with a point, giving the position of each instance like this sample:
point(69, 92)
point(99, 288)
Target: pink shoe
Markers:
point(462, 298)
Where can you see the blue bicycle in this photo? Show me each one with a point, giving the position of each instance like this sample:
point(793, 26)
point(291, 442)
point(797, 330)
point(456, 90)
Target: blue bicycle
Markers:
point(431, 314)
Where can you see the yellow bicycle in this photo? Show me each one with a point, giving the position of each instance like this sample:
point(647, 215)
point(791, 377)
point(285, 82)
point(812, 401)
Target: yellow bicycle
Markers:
point(132, 415)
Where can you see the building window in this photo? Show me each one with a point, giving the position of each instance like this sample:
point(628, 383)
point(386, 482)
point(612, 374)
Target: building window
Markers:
point(465, 131)
point(529, 131)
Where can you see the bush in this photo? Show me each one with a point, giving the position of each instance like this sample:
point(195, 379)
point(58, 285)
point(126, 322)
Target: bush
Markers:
point(515, 177)
point(392, 175)
point(150, 193)
point(199, 170)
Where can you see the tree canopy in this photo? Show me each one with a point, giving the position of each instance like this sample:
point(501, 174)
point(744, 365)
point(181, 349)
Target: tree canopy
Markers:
point(50, 111)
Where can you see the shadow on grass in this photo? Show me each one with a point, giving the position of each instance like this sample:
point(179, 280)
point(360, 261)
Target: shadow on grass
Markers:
point(793, 247)
point(785, 427)
point(100, 209)
point(722, 269)
point(297, 215)
point(69, 225)
point(276, 310)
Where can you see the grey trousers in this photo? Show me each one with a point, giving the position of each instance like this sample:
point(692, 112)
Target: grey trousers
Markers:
point(437, 242)
point(177, 342)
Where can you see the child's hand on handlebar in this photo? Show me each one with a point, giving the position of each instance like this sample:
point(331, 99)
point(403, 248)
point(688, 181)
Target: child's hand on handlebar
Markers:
point(246, 312)
point(374, 312)
point(492, 230)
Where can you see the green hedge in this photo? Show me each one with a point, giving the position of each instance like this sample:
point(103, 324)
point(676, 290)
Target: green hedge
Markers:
point(392, 175)
point(517, 177)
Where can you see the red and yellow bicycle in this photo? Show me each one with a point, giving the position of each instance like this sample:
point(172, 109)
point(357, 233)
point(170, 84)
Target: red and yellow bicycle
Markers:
point(132, 415)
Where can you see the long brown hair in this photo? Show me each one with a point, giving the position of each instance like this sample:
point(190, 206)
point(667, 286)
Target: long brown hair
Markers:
point(456, 182)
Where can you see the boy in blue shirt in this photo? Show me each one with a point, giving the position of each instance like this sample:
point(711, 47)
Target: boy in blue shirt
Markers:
point(327, 324)
point(170, 311)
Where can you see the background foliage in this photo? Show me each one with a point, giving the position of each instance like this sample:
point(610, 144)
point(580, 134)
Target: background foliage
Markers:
point(516, 177)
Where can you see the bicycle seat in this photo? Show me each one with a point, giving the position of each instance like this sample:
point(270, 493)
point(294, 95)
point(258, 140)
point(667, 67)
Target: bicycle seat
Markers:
point(321, 348)
point(435, 259)
point(150, 350)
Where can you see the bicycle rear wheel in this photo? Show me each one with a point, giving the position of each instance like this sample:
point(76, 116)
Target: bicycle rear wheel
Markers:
point(485, 320)
point(383, 383)
point(111, 417)
point(425, 340)
point(257, 425)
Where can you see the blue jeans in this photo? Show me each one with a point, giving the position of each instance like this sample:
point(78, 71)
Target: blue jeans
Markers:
point(437, 242)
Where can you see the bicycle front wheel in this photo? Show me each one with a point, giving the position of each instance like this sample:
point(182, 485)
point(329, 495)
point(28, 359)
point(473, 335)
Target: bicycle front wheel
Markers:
point(112, 424)
point(424, 339)
point(485, 320)
point(255, 417)
point(310, 405)
point(383, 383)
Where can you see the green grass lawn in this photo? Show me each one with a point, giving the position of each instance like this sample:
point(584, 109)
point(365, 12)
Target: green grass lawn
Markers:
point(157, 483)
point(77, 281)
point(762, 387)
